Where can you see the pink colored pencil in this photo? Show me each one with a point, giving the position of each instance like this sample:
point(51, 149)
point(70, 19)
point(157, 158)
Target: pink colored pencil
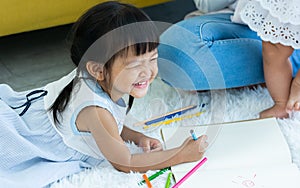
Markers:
point(185, 177)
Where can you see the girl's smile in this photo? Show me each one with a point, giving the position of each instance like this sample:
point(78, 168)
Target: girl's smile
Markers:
point(131, 75)
point(141, 85)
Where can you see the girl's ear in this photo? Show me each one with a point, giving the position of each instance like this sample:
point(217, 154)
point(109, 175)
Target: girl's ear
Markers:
point(95, 70)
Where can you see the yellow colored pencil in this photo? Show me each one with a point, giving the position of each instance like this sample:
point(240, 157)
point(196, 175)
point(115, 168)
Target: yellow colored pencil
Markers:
point(169, 121)
point(167, 115)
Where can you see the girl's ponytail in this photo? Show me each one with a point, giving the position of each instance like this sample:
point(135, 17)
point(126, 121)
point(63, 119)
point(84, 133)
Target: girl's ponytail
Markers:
point(61, 101)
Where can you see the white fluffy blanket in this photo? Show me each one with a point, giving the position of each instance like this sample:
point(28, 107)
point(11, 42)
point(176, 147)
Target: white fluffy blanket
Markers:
point(222, 106)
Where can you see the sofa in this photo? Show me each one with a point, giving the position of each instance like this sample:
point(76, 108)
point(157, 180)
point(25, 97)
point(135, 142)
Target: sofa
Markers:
point(18, 16)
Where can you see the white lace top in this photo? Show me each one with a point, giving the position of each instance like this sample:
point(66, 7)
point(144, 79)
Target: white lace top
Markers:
point(277, 21)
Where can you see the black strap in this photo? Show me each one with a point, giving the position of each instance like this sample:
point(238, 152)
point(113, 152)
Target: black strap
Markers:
point(130, 102)
point(28, 102)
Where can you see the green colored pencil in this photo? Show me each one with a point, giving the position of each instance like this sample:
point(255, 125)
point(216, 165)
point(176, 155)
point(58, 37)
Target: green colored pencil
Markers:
point(168, 182)
point(152, 177)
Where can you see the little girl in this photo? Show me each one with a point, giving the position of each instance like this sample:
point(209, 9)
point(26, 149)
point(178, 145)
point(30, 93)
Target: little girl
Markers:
point(77, 121)
point(278, 24)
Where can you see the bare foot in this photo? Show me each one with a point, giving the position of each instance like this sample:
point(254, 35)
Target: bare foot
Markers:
point(294, 99)
point(278, 110)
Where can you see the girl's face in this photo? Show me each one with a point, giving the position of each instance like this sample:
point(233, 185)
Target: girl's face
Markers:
point(132, 75)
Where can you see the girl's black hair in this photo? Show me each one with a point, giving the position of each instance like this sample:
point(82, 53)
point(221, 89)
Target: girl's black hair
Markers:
point(101, 35)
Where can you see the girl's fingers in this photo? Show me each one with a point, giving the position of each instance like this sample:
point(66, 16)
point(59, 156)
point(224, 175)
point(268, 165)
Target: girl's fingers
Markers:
point(203, 143)
point(156, 147)
point(146, 149)
point(203, 138)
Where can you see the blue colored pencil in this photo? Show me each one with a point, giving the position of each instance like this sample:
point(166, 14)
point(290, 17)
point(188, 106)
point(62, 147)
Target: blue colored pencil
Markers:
point(169, 115)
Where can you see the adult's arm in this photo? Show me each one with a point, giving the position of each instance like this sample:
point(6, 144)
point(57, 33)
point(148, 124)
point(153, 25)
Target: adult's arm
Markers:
point(212, 5)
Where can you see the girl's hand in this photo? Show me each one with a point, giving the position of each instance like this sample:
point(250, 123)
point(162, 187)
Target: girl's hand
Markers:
point(193, 150)
point(149, 144)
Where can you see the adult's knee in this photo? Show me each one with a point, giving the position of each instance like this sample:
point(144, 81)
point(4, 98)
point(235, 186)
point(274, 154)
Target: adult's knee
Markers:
point(276, 51)
point(212, 53)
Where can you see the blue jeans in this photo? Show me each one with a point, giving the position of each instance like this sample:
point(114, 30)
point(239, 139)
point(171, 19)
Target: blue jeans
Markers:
point(210, 52)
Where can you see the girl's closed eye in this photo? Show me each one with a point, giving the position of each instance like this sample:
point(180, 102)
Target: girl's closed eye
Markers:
point(133, 64)
point(154, 60)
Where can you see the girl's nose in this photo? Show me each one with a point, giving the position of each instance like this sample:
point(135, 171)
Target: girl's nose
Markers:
point(146, 70)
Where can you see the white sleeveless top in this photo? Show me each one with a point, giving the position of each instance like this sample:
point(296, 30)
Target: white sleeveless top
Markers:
point(85, 93)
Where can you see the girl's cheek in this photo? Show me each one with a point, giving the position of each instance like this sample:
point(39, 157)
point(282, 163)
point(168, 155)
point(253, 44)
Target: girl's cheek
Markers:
point(155, 70)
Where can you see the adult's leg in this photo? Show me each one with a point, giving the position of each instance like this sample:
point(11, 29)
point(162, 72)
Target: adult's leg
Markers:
point(294, 97)
point(210, 52)
point(278, 76)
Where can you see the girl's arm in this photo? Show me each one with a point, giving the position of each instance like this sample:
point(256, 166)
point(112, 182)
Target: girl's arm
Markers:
point(212, 5)
point(147, 143)
point(104, 129)
point(131, 135)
